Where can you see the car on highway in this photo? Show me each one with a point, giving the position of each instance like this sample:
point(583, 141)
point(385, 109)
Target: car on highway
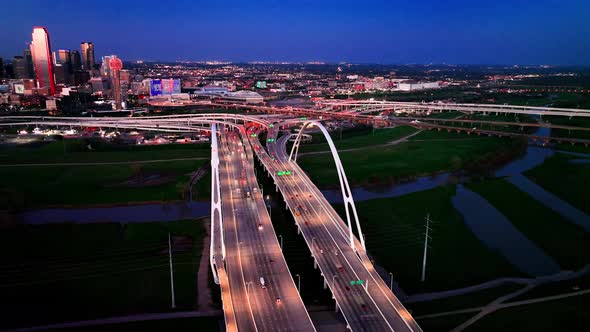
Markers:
point(278, 300)
point(262, 283)
point(260, 226)
point(248, 194)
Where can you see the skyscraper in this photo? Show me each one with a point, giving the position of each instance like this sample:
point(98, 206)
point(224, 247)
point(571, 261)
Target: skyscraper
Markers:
point(65, 59)
point(76, 61)
point(29, 63)
point(105, 67)
point(20, 69)
point(115, 66)
point(41, 53)
point(87, 55)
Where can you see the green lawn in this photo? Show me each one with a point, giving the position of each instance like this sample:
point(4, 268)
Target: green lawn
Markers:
point(556, 288)
point(466, 301)
point(164, 325)
point(443, 324)
point(367, 139)
point(76, 151)
point(410, 159)
point(35, 186)
point(570, 314)
point(67, 272)
point(564, 179)
point(394, 233)
point(567, 243)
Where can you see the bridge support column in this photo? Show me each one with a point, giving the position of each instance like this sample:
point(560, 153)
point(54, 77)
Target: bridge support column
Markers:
point(315, 263)
point(325, 283)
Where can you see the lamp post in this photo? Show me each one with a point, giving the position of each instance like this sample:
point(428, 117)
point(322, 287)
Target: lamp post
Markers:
point(391, 281)
point(281, 241)
point(298, 283)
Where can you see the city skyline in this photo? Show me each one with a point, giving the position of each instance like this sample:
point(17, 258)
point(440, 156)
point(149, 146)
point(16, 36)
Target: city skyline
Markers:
point(457, 32)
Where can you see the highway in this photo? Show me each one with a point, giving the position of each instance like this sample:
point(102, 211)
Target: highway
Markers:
point(368, 305)
point(252, 249)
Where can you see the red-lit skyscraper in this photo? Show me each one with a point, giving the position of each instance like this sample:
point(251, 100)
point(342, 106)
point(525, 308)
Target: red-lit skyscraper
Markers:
point(115, 66)
point(41, 53)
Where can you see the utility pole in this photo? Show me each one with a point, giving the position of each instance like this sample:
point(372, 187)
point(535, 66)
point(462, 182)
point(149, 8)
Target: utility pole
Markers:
point(171, 271)
point(426, 238)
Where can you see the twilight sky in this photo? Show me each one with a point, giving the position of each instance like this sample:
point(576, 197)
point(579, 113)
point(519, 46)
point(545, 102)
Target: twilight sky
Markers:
point(389, 31)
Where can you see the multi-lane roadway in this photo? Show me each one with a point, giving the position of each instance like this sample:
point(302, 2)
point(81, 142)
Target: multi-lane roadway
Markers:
point(366, 302)
point(263, 294)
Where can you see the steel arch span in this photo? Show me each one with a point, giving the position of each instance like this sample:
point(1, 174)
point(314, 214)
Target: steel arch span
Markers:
point(349, 205)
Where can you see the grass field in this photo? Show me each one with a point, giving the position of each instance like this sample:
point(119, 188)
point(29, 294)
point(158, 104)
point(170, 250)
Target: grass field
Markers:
point(394, 233)
point(177, 325)
point(67, 272)
point(540, 224)
point(470, 300)
point(35, 186)
point(556, 288)
point(569, 314)
point(413, 158)
point(76, 151)
point(566, 180)
point(443, 324)
point(362, 139)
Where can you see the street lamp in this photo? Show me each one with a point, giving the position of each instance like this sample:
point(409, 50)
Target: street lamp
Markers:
point(334, 279)
point(298, 283)
point(391, 281)
point(281, 241)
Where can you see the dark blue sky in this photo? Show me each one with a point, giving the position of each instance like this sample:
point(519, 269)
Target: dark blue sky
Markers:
point(394, 31)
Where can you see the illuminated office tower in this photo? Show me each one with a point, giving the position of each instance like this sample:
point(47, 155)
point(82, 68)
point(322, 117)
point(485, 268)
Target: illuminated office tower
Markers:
point(41, 53)
point(87, 55)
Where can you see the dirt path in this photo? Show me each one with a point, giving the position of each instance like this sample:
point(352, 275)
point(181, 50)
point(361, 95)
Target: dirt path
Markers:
point(398, 141)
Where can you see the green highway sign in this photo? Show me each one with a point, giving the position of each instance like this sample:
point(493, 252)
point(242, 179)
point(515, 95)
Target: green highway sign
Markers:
point(253, 135)
point(356, 282)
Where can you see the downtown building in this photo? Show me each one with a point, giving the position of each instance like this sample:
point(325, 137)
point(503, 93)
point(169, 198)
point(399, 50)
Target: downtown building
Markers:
point(88, 60)
point(42, 60)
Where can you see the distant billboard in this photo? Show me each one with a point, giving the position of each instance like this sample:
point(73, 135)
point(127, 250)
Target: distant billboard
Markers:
point(261, 84)
point(155, 87)
point(19, 88)
point(170, 86)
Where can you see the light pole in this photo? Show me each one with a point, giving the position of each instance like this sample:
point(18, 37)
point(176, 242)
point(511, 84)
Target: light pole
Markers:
point(298, 283)
point(281, 241)
point(391, 281)
point(334, 279)
point(171, 271)
point(425, 247)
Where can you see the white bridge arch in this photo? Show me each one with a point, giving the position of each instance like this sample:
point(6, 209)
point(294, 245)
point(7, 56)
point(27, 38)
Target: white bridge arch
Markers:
point(349, 205)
